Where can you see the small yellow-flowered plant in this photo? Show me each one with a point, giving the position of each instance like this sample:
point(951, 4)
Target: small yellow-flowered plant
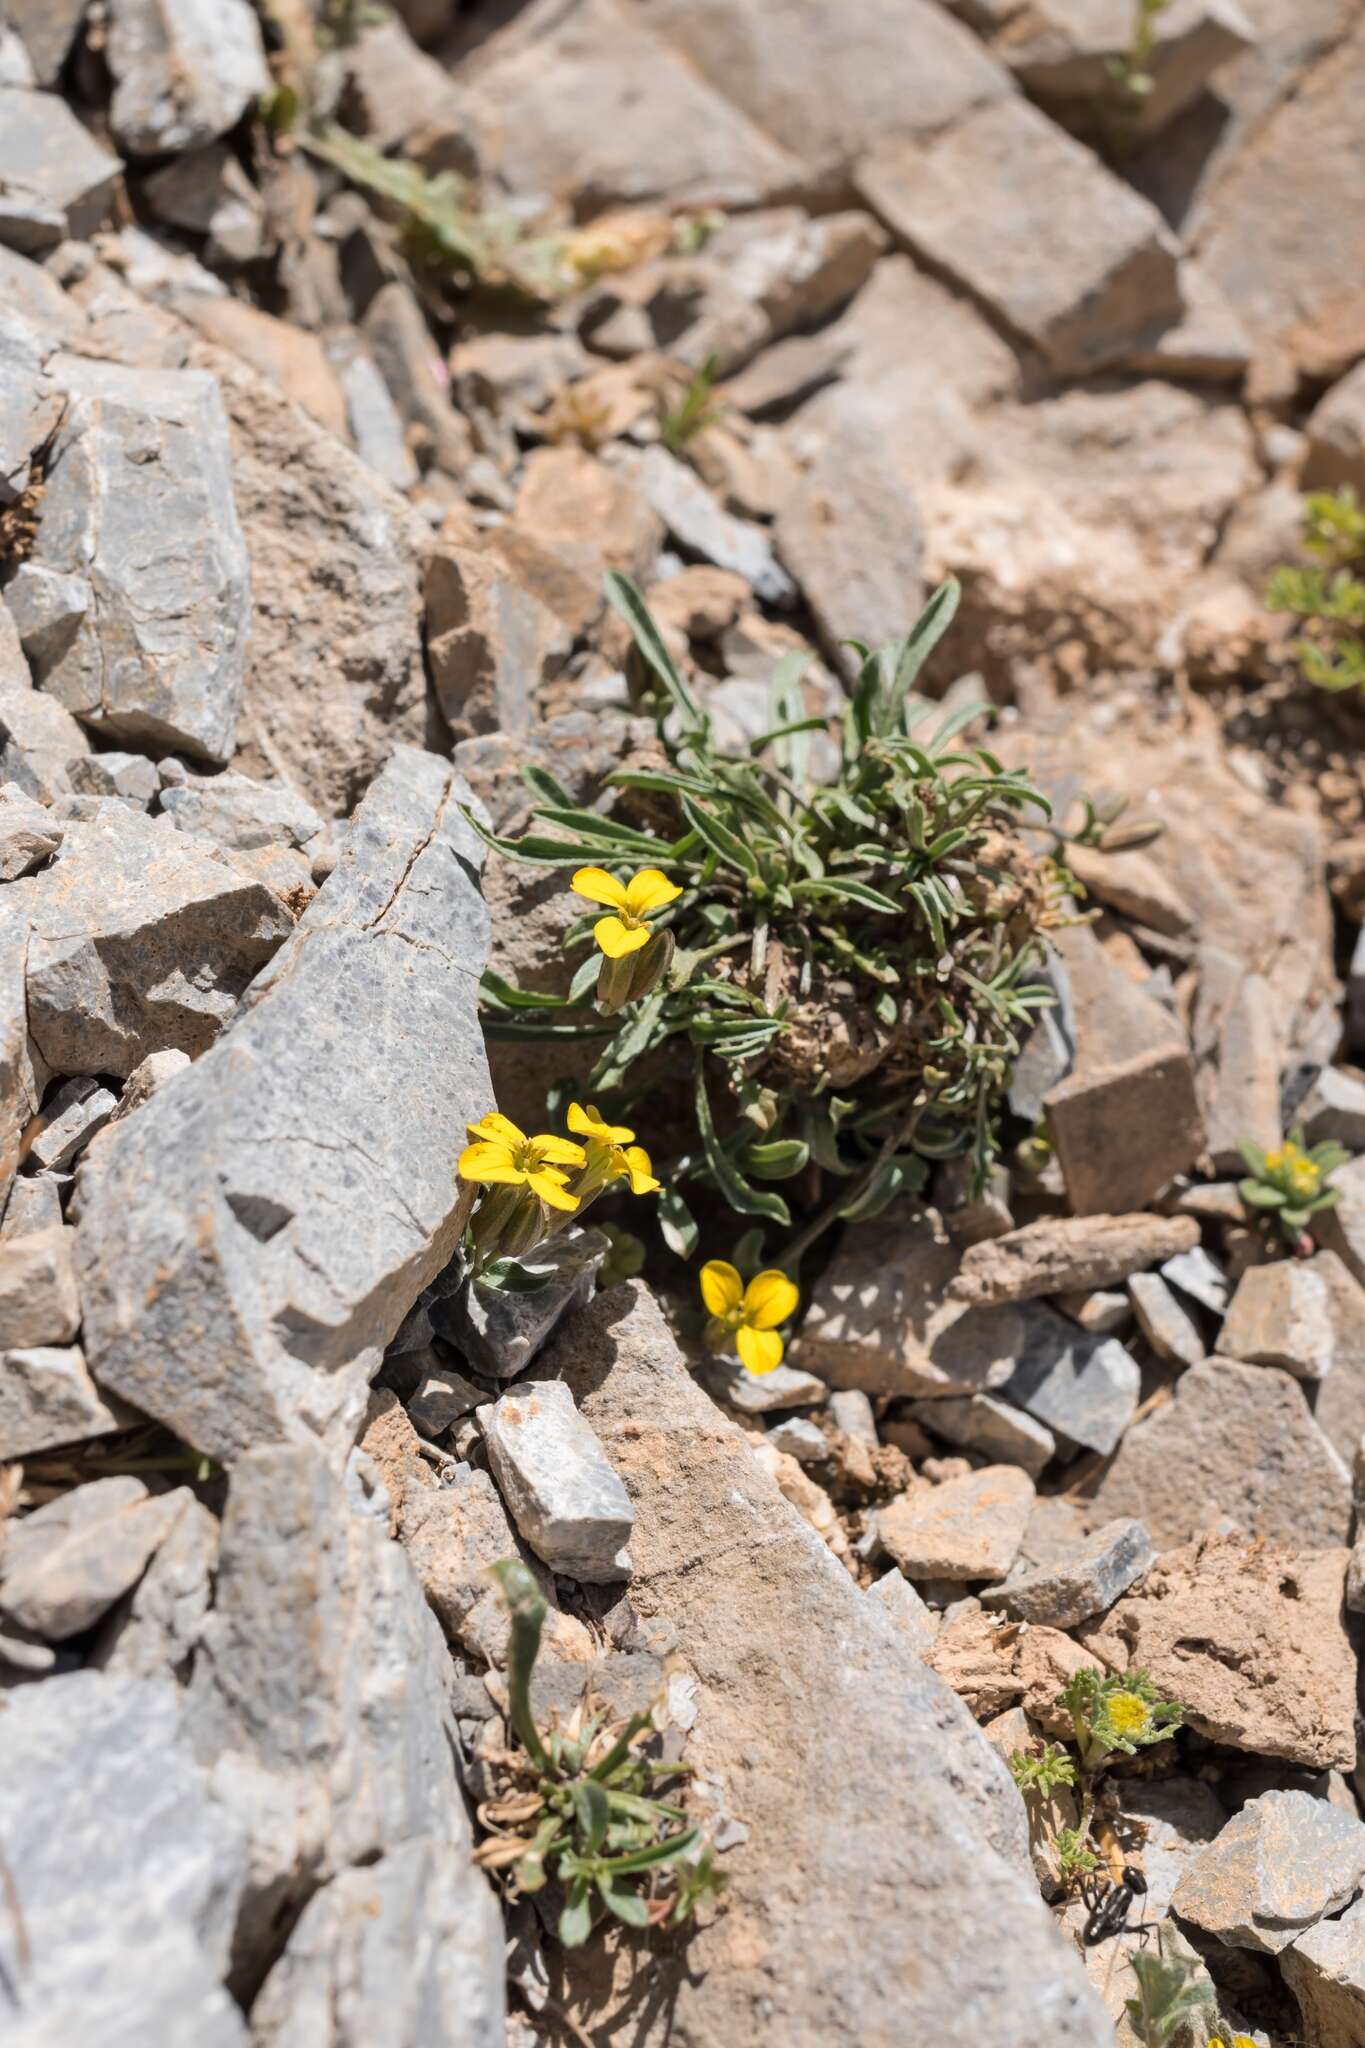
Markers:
point(747, 1318)
point(632, 902)
point(611, 1154)
point(1237, 2041)
point(503, 1156)
point(1290, 1184)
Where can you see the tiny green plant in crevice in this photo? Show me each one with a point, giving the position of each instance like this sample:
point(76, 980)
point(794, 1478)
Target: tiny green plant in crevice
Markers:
point(1290, 1185)
point(825, 977)
point(579, 1807)
point(695, 410)
point(1114, 1714)
point(1175, 1996)
point(1328, 593)
point(1131, 77)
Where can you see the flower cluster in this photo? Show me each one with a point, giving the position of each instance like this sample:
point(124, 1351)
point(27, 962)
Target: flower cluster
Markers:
point(536, 1183)
point(1289, 1185)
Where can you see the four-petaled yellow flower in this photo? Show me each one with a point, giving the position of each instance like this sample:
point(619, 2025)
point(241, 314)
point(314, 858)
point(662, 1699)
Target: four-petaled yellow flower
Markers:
point(611, 1154)
point(1238, 2041)
point(748, 1316)
point(628, 930)
point(504, 1156)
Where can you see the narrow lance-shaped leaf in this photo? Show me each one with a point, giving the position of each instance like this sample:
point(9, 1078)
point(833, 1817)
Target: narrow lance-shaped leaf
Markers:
point(743, 1199)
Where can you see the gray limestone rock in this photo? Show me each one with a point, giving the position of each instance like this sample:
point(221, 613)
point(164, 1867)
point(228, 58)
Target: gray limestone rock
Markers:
point(28, 833)
point(135, 601)
point(1195, 1274)
point(441, 1398)
point(851, 1411)
point(38, 1300)
point(1289, 1314)
point(1081, 1387)
point(800, 1438)
point(1001, 1432)
point(1091, 1578)
point(40, 741)
point(226, 1288)
point(702, 526)
point(150, 1074)
point(117, 1853)
point(130, 776)
point(559, 1488)
point(185, 71)
point(47, 1398)
point(918, 1623)
point(154, 1634)
point(1066, 1253)
point(77, 1110)
point(1279, 1865)
point(1168, 1327)
point(234, 811)
point(139, 941)
point(47, 29)
point(35, 1203)
point(784, 1387)
point(66, 1564)
point(962, 1529)
point(52, 167)
point(1325, 1970)
point(500, 1332)
point(30, 403)
point(1334, 1107)
point(375, 423)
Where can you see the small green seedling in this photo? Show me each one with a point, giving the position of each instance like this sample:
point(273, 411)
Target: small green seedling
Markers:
point(1290, 1185)
point(1042, 1774)
point(695, 411)
point(1328, 593)
point(1174, 1991)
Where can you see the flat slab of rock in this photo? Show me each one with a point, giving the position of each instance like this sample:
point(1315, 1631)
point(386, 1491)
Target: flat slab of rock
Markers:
point(1288, 1314)
point(53, 164)
point(72, 1116)
point(237, 811)
point(125, 902)
point(560, 1490)
point(785, 1387)
point(154, 1633)
point(876, 1309)
point(1164, 1321)
point(135, 600)
point(703, 527)
point(1000, 1431)
point(38, 1301)
point(226, 1288)
point(66, 1564)
point(1251, 1639)
point(1067, 1253)
point(964, 1529)
point(1085, 1583)
point(1280, 1865)
point(1325, 1970)
point(1079, 1386)
point(755, 1599)
point(1235, 1439)
point(47, 1398)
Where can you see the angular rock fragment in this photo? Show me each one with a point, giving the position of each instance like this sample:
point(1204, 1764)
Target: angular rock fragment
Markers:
point(1000, 1432)
point(31, 405)
point(441, 1398)
point(1325, 1970)
point(52, 168)
point(124, 905)
point(342, 1089)
point(35, 1203)
point(1235, 1440)
point(122, 1852)
point(71, 1118)
point(877, 1309)
point(1082, 1252)
point(1281, 1864)
point(796, 1436)
point(1111, 275)
point(38, 1301)
point(135, 600)
point(702, 527)
point(1081, 1387)
point(785, 1387)
point(413, 373)
point(918, 1623)
point(1068, 51)
point(1334, 1107)
point(1195, 1274)
point(28, 833)
point(1288, 1314)
point(184, 71)
point(1172, 1333)
point(453, 1535)
point(1251, 1639)
point(129, 776)
point(490, 642)
point(155, 1634)
point(560, 1490)
point(500, 1332)
point(726, 1561)
point(1243, 1089)
point(1085, 1583)
point(66, 1564)
point(237, 812)
point(47, 1398)
point(376, 426)
point(1336, 436)
point(964, 1529)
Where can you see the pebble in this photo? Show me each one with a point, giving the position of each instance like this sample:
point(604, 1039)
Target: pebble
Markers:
point(77, 1110)
point(1102, 1314)
point(441, 1398)
point(851, 1410)
point(1195, 1274)
point(1097, 1571)
point(1286, 1314)
point(1334, 1107)
point(38, 1300)
point(560, 1490)
point(1084, 1388)
point(784, 1387)
point(1001, 1432)
point(28, 833)
point(500, 1333)
point(48, 1398)
point(1172, 1334)
point(800, 1439)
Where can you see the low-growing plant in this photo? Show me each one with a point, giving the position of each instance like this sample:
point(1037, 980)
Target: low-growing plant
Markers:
point(1113, 1714)
point(832, 974)
point(1044, 1772)
point(695, 410)
point(1289, 1186)
point(579, 1806)
point(1328, 593)
point(1174, 1992)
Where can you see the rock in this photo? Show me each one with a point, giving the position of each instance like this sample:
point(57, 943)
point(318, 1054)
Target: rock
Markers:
point(1325, 1970)
point(784, 374)
point(441, 1398)
point(586, 517)
point(1288, 1314)
point(411, 367)
point(877, 1308)
point(1001, 1433)
point(393, 1953)
point(699, 524)
point(184, 71)
point(404, 102)
point(38, 1302)
point(800, 1438)
point(106, 1815)
point(1208, 342)
point(1081, 1252)
point(71, 1119)
point(320, 1699)
point(52, 169)
point(28, 833)
point(208, 192)
point(852, 1412)
point(786, 1387)
point(66, 1564)
point(156, 1633)
point(1336, 436)
point(975, 1654)
point(727, 1562)
point(375, 424)
point(47, 1398)
point(1090, 1580)
point(294, 361)
point(1084, 1388)
point(129, 776)
point(973, 1220)
point(916, 1622)
point(1201, 1278)
point(141, 462)
point(1243, 1097)
point(827, 89)
point(1334, 1107)
point(47, 33)
point(1136, 887)
point(1234, 1439)
point(152, 1073)
point(1101, 1315)
point(234, 811)
point(490, 642)
point(1068, 50)
point(1172, 1333)
point(1281, 1864)
point(33, 405)
point(562, 1494)
point(964, 1529)
point(40, 741)
point(1111, 277)
point(124, 904)
point(500, 1333)
point(600, 109)
point(343, 1088)
point(452, 1535)
point(1251, 1639)
point(35, 1203)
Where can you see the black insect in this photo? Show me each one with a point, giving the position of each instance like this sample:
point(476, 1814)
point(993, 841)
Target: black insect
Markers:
point(1110, 1904)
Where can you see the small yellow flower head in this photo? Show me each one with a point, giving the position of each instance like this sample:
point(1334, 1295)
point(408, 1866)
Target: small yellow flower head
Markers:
point(1128, 1714)
point(610, 1154)
point(632, 902)
point(1238, 2041)
point(503, 1156)
point(747, 1317)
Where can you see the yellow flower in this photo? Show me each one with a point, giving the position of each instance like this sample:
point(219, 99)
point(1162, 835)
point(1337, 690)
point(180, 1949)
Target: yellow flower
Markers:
point(504, 1156)
point(747, 1316)
point(1298, 1169)
point(1238, 2041)
point(632, 902)
point(1127, 1713)
point(611, 1155)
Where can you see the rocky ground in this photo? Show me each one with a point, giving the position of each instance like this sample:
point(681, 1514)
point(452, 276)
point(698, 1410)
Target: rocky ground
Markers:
point(305, 504)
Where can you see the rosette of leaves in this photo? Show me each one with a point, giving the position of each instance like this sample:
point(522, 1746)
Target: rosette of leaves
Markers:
point(1117, 1714)
point(850, 985)
point(1289, 1185)
point(1328, 593)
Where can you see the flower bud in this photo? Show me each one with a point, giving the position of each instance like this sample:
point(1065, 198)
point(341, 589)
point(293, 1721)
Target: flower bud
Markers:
point(613, 982)
point(651, 964)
